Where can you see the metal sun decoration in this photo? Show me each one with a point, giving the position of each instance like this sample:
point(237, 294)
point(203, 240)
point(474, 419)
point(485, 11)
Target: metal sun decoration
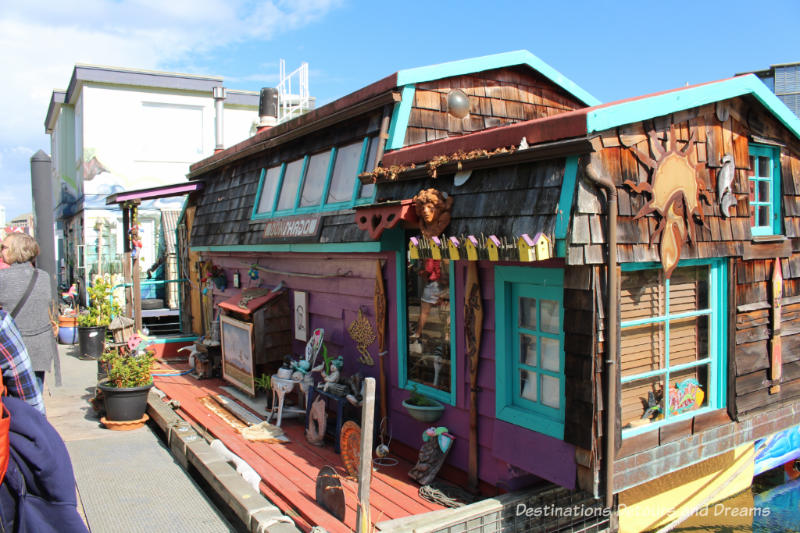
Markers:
point(675, 191)
point(362, 333)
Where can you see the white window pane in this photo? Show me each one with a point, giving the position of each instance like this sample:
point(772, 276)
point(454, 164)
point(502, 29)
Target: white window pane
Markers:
point(551, 356)
point(315, 179)
point(527, 350)
point(268, 189)
point(550, 316)
point(345, 170)
point(527, 313)
point(291, 179)
point(528, 389)
point(551, 393)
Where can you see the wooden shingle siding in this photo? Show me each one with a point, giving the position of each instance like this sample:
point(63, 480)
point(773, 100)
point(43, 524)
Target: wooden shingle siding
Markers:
point(497, 97)
point(225, 206)
point(503, 201)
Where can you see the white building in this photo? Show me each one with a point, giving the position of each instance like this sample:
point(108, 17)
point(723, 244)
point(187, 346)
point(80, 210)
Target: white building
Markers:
point(116, 129)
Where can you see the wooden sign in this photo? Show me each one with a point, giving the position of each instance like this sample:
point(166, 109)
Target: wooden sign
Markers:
point(291, 228)
point(775, 355)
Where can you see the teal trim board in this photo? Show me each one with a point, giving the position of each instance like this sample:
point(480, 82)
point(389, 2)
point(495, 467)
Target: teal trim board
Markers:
point(400, 114)
point(310, 247)
point(614, 115)
point(564, 211)
point(494, 61)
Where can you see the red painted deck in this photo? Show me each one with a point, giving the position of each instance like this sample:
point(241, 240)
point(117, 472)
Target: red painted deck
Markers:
point(288, 471)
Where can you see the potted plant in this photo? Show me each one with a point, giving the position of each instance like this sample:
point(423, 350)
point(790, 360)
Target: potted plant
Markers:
point(127, 384)
point(93, 322)
point(265, 383)
point(422, 408)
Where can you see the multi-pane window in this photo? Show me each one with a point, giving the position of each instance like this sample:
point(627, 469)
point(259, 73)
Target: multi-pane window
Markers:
point(764, 189)
point(672, 348)
point(530, 347)
point(322, 181)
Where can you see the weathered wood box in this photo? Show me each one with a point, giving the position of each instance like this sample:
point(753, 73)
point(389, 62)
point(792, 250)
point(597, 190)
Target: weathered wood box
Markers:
point(259, 335)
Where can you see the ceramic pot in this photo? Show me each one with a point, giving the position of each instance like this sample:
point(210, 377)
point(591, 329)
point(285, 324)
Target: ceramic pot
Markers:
point(425, 413)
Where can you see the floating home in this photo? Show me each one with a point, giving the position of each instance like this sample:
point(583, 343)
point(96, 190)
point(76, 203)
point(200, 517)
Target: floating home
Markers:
point(604, 297)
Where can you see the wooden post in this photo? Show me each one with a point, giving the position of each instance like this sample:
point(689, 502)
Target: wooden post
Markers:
point(126, 259)
point(380, 323)
point(775, 356)
point(363, 521)
point(137, 291)
point(473, 325)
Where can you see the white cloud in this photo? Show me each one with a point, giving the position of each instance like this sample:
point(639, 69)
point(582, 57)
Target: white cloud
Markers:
point(42, 40)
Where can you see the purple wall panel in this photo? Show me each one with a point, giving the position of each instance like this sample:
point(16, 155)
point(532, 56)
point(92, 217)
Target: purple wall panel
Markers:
point(548, 458)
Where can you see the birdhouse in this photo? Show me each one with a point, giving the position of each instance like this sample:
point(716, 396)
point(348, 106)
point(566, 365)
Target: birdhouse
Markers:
point(493, 247)
point(436, 247)
point(527, 248)
point(471, 244)
point(543, 246)
point(452, 248)
point(413, 248)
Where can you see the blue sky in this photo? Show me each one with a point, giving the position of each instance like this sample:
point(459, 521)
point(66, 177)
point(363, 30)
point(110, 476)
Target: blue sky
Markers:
point(613, 49)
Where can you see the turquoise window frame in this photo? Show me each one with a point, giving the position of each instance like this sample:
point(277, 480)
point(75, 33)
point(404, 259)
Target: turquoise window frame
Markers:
point(717, 340)
point(324, 205)
point(511, 283)
point(774, 202)
point(402, 330)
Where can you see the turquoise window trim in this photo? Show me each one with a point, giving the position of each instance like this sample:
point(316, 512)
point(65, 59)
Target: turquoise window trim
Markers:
point(256, 215)
point(717, 342)
point(361, 163)
point(323, 206)
point(308, 247)
point(400, 115)
point(544, 283)
point(774, 202)
point(564, 211)
point(326, 187)
point(402, 341)
point(260, 190)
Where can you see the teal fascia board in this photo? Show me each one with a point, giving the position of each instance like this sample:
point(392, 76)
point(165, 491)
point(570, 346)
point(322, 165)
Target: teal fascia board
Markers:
point(616, 115)
point(400, 114)
point(170, 340)
point(308, 247)
point(479, 64)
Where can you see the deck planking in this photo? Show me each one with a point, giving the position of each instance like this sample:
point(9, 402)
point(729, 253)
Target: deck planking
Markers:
point(289, 471)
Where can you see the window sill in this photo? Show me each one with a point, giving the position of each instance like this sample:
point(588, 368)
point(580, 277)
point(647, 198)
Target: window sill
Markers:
point(759, 239)
point(767, 247)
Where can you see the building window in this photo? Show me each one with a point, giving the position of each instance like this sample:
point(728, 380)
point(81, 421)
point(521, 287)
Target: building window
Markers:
point(428, 362)
point(323, 181)
point(672, 338)
point(529, 316)
point(764, 179)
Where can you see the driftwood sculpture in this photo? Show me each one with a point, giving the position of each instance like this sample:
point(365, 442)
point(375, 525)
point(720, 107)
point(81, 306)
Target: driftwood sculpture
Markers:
point(433, 210)
point(724, 183)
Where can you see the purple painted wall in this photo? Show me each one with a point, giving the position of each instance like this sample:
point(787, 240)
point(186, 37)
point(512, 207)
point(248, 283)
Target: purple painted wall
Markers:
point(508, 454)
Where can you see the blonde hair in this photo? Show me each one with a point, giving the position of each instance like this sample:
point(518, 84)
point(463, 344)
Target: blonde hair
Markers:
point(21, 247)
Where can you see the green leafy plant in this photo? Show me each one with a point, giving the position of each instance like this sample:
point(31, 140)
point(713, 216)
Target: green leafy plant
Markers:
point(264, 382)
point(102, 308)
point(127, 370)
point(419, 399)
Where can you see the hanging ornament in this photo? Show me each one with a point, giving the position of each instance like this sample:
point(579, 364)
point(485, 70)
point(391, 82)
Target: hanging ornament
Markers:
point(253, 273)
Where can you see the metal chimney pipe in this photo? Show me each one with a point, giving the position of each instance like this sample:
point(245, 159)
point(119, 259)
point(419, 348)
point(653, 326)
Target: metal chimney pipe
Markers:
point(219, 98)
point(267, 108)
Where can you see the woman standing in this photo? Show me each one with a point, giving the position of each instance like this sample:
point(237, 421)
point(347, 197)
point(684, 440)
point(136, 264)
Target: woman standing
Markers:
point(26, 295)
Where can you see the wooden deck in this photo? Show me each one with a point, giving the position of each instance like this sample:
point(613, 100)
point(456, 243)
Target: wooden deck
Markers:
point(288, 471)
